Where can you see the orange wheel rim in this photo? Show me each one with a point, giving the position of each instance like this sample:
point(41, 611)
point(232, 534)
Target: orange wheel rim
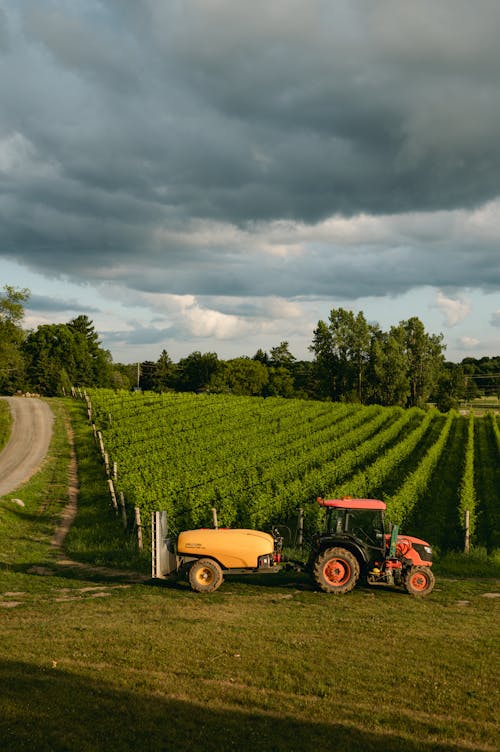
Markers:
point(337, 572)
point(418, 581)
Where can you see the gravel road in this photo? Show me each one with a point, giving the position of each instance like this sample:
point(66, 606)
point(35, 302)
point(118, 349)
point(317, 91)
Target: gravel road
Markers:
point(28, 444)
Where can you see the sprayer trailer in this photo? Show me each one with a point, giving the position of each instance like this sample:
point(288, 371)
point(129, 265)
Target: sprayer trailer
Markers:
point(207, 555)
point(355, 544)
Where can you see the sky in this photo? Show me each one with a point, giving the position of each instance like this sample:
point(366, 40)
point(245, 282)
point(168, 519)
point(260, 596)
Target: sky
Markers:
point(218, 175)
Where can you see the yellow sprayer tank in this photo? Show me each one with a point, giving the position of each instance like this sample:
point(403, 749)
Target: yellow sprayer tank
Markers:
point(232, 548)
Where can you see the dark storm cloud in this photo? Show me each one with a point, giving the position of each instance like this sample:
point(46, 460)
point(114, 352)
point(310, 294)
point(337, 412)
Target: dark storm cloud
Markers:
point(45, 304)
point(123, 121)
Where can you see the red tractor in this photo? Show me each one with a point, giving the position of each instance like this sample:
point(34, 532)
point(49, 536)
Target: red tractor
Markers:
point(356, 543)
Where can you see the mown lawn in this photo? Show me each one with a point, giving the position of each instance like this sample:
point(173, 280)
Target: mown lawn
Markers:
point(89, 661)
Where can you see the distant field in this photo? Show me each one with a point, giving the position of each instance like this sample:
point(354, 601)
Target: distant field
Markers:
point(482, 405)
point(257, 460)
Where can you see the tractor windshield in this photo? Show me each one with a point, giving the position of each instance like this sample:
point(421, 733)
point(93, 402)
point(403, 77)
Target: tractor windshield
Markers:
point(364, 524)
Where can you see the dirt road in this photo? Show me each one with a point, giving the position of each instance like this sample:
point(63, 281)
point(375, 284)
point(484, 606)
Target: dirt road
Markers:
point(28, 444)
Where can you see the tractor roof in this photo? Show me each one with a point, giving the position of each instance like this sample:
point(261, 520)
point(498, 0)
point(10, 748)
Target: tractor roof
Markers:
point(347, 503)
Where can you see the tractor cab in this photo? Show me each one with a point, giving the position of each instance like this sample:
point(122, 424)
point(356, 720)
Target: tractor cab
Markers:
point(360, 520)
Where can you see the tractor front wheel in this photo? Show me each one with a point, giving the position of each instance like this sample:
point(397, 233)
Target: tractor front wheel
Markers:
point(205, 576)
point(336, 570)
point(419, 581)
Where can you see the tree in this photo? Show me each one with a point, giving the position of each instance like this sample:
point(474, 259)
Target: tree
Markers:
point(305, 382)
point(63, 355)
point(240, 376)
point(147, 371)
point(451, 387)
point(12, 366)
point(165, 373)
point(123, 376)
point(56, 359)
point(195, 372)
point(341, 350)
point(99, 360)
point(424, 353)
point(389, 382)
point(281, 356)
point(280, 382)
point(261, 356)
point(325, 362)
point(483, 376)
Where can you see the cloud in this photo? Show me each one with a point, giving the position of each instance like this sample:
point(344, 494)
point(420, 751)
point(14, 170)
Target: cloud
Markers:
point(227, 153)
point(46, 304)
point(495, 318)
point(469, 342)
point(454, 309)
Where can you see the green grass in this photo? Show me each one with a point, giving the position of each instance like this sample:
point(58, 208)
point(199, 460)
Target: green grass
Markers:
point(97, 535)
point(5, 423)
point(91, 663)
point(477, 563)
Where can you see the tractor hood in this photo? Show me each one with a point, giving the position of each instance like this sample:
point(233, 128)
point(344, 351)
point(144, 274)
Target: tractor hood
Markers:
point(232, 548)
point(416, 550)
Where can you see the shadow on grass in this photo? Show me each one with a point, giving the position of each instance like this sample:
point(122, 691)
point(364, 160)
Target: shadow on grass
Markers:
point(73, 571)
point(48, 709)
point(89, 573)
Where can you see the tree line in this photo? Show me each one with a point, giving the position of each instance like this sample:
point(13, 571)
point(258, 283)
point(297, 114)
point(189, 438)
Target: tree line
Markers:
point(351, 361)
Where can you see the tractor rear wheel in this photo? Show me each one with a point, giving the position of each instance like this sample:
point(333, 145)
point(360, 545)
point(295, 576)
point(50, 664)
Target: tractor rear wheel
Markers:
point(205, 576)
point(336, 570)
point(419, 581)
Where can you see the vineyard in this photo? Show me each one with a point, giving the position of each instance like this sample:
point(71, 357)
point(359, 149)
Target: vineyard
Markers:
point(257, 460)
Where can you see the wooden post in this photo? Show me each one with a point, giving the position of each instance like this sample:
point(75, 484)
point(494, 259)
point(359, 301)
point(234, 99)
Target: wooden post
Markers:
point(124, 510)
point(467, 532)
point(300, 527)
point(101, 443)
point(113, 494)
point(137, 512)
point(214, 517)
point(106, 462)
point(115, 471)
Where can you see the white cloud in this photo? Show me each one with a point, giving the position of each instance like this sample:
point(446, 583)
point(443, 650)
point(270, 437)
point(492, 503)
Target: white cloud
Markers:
point(469, 342)
point(203, 322)
point(454, 309)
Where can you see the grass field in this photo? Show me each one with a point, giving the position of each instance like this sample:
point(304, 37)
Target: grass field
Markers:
point(5, 423)
point(92, 661)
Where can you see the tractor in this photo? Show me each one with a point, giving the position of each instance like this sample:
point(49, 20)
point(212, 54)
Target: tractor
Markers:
point(354, 544)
